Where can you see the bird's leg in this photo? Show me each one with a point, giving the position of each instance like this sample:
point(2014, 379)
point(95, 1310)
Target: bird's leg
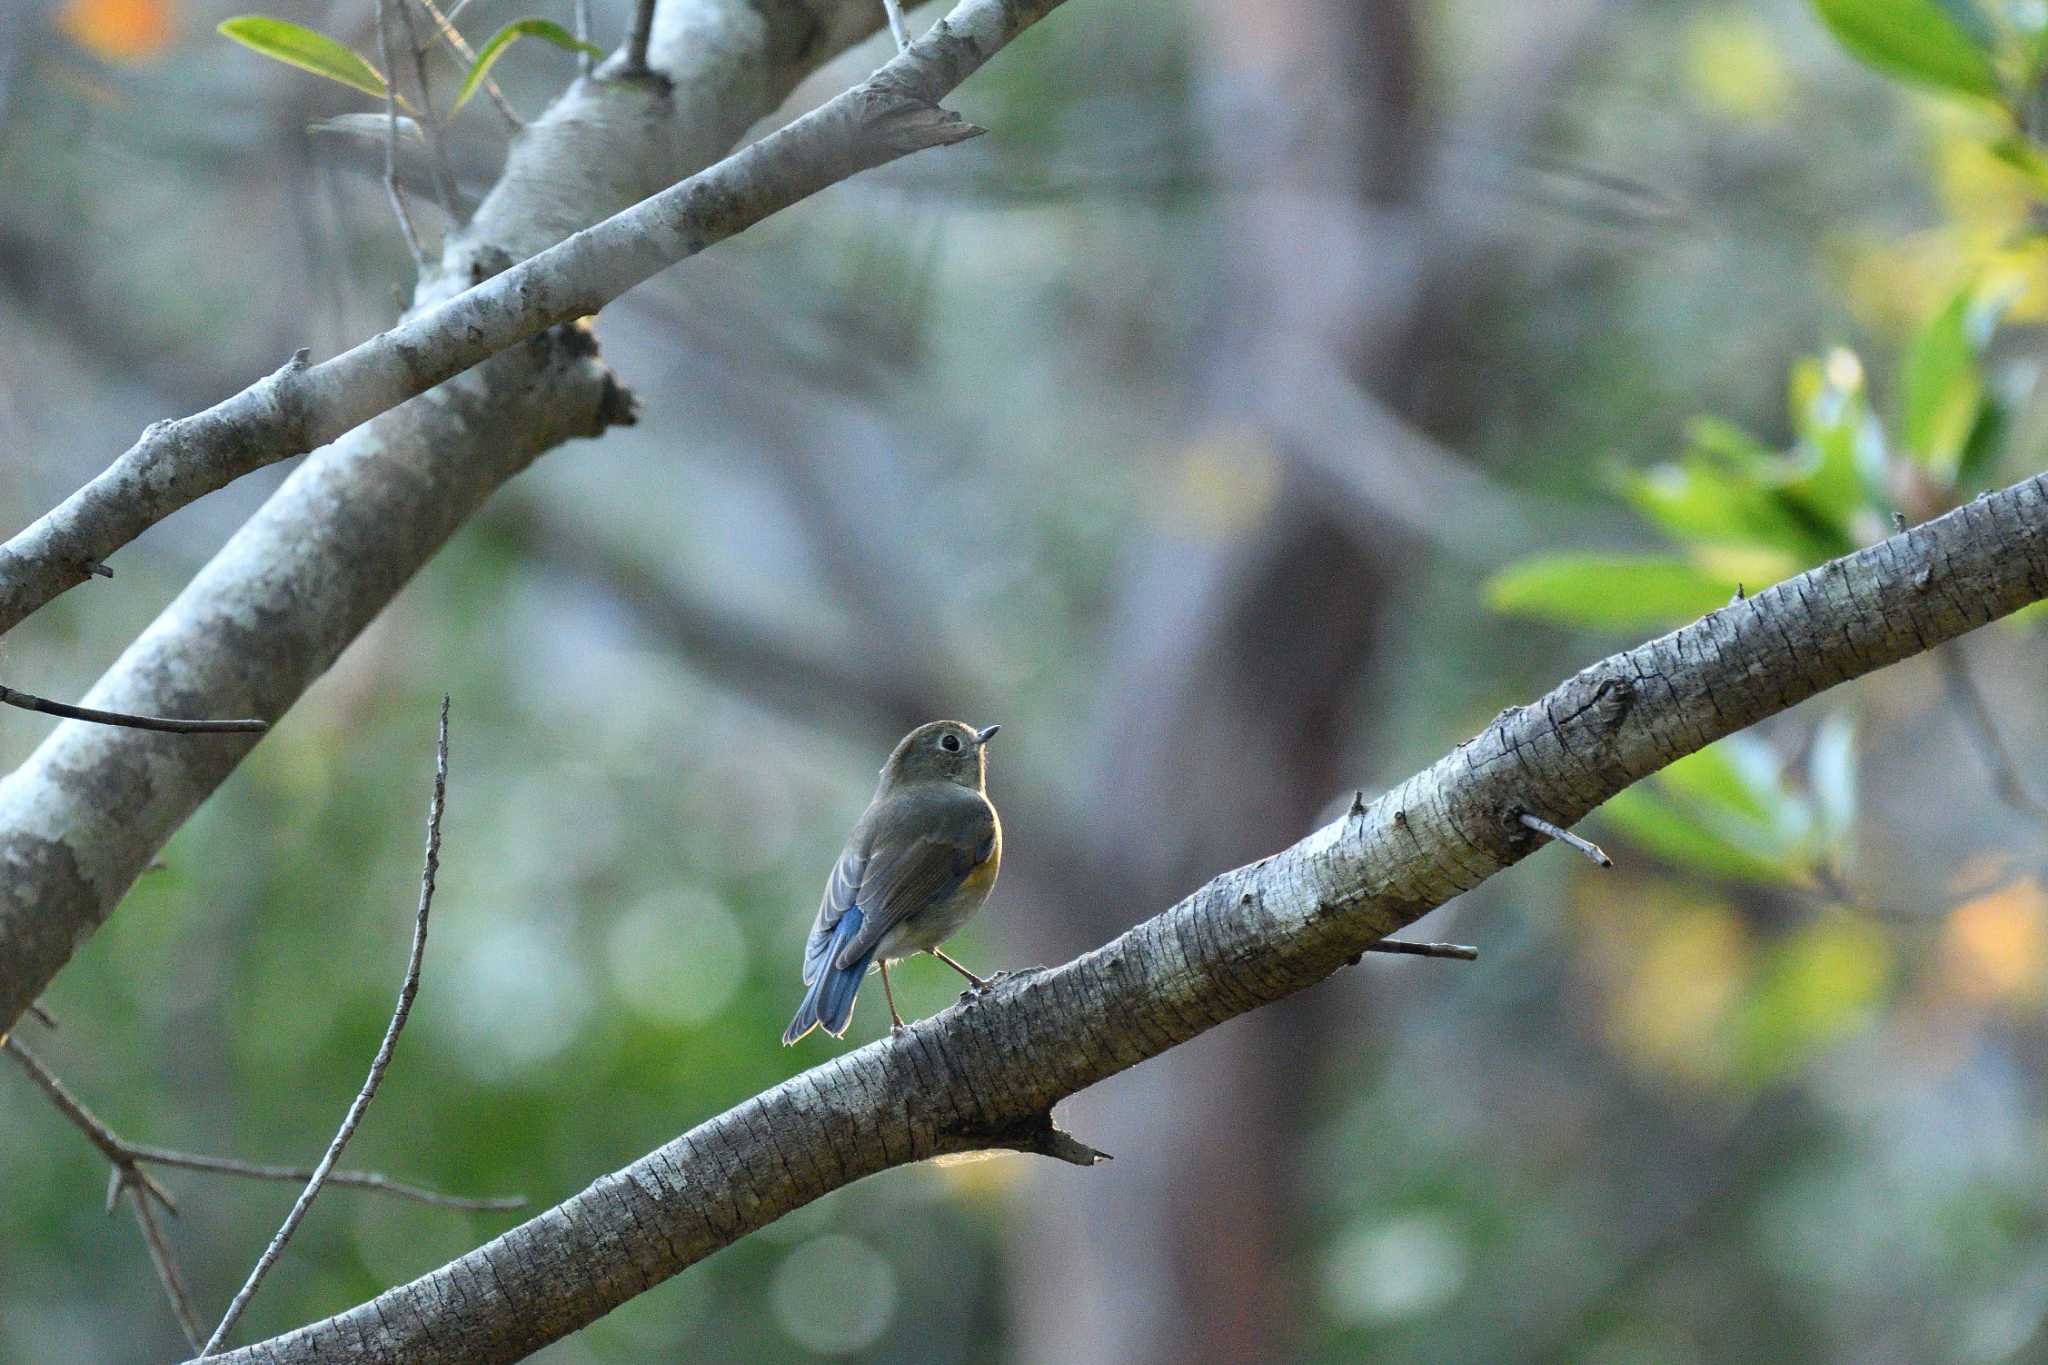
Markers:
point(895, 1019)
point(980, 985)
point(894, 9)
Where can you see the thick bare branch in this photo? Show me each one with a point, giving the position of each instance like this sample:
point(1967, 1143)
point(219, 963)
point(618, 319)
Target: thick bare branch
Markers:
point(986, 1074)
point(89, 810)
point(892, 114)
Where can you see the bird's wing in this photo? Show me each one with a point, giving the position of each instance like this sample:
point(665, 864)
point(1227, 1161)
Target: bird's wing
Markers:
point(918, 858)
point(840, 891)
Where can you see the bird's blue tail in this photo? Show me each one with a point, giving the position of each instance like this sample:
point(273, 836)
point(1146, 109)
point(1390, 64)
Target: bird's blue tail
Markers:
point(828, 1003)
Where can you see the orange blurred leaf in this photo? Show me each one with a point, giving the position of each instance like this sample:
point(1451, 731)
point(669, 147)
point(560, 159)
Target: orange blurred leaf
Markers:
point(125, 31)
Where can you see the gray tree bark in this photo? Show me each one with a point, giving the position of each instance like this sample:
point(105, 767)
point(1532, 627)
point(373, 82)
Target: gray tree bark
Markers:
point(89, 810)
point(987, 1074)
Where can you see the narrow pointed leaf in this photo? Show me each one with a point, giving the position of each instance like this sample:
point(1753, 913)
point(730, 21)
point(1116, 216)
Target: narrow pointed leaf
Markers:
point(487, 55)
point(1911, 39)
point(306, 49)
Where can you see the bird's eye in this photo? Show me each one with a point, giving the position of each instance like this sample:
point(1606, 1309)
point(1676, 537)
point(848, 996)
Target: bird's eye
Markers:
point(950, 743)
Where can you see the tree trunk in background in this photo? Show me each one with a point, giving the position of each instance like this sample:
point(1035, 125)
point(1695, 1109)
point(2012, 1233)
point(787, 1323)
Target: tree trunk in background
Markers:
point(1230, 704)
point(1233, 712)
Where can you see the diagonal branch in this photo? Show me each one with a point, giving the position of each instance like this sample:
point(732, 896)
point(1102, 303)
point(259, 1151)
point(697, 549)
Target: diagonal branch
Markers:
point(408, 989)
point(28, 701)
point(301, 406)
point(987, 1074)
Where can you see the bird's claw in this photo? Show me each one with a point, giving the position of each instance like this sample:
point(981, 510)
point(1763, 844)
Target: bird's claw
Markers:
point(983, 987)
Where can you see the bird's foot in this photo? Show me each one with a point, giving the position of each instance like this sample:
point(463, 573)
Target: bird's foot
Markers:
point(898, 1029)
point(982, 986)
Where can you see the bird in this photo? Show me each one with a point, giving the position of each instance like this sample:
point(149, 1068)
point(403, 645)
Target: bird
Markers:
point(919, 863)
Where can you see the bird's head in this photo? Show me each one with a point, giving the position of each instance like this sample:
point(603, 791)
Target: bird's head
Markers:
point(944, 750)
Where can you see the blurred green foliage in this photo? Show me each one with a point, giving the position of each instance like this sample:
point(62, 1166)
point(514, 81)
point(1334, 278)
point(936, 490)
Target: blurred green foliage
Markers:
point(1788, 1056)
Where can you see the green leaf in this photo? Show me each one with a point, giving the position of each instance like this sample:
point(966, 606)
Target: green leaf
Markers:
point(1737, 775)
point(1616, 591)
point(1944, 389)
point(306, 49)
point(487, 55)
point(1913, 40)
point(1678, 835)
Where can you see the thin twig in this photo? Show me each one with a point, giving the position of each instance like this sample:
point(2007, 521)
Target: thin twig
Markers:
point(583, 58)
point(1460, 951)
point(355, 1180)
point(1977, 719)
point(430, 120)
point(126, 1171)
point(636, 41)
point(30, 702)
point(166, 1267)
point(124, 1155)
point(391, 189)
point(444, 25)
point(378, 1065)
point(1565, 836)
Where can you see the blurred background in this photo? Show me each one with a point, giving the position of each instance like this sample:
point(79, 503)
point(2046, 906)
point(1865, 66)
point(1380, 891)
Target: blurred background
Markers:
point(1277, 393)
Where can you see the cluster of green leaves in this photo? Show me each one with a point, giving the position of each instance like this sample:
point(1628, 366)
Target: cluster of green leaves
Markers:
point(310, 50)
point(1739, 513)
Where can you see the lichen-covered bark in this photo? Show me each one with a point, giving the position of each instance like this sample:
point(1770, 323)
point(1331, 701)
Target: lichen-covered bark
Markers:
point(83, 817)
point(986, 1074)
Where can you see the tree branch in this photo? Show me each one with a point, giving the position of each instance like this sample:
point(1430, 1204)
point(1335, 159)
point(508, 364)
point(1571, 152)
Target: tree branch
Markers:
point(408, 989)
point(28, 701)
point(980, 1075)
point(301, 406)
point(85, 815)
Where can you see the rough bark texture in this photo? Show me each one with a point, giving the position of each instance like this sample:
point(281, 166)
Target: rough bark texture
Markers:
point(83, 817)
point(479, 303)
point(987, 1074)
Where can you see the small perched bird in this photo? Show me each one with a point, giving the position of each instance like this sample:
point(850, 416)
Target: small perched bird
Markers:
point(917, 866)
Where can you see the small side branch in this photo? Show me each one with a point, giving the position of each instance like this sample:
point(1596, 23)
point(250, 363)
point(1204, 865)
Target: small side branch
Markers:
point(378, 1065)
point(1461, 952)
point(636, 67)
point(166, 1266)
point(391, 188)
point(29, 702)
point(1592, 850)
point(1983, 729)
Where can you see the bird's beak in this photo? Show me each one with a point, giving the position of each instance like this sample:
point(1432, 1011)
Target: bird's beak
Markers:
point(982, 737)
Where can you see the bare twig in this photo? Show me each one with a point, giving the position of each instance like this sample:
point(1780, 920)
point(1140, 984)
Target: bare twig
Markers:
point(583, 58)
point(391, 189)
point(30, 702)
point(636, 41)
point(125, 1156)
point(356, 1180)
point(1565, 836)
point(117, 1153)
point(1459, 951)
point(898, 30)
point(430, 120)
point(166, 1267)
point(1983, 730)
point(378, 1065)
point(444, 26)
